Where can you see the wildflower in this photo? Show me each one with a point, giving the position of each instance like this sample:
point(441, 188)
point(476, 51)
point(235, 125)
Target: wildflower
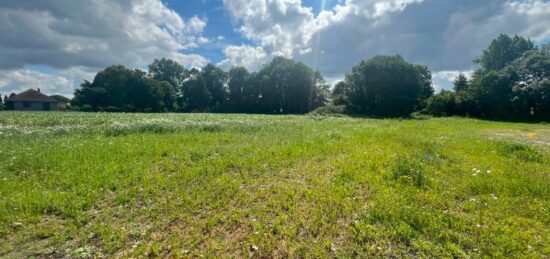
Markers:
point(478, 225)
point(493, 196)
point(253, 248)
point(488, 171)
point(474, 174)
point(529, 248)
point(472, 199)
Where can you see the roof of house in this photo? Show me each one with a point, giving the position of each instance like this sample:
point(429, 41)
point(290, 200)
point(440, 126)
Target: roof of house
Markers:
point(31, 95)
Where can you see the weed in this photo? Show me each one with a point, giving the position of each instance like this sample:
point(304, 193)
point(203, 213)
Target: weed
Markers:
point(408, 171)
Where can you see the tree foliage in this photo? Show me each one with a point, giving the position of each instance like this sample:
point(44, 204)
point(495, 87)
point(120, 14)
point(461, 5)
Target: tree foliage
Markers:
point(512, 83)
point(502, 51)
point(385, 86)
point(117, 88)
point(281, 87)
point(460, 83)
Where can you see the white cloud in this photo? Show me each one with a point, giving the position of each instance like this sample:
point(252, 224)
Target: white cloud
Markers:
point(445, 35)
point(64, 34)
point(23, 79)
point(246, 56)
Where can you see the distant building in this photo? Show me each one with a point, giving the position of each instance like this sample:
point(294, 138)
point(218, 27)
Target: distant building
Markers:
point(31, 100)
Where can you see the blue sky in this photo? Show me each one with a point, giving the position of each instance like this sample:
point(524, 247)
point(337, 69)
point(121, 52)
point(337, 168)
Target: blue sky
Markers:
point(56, 44)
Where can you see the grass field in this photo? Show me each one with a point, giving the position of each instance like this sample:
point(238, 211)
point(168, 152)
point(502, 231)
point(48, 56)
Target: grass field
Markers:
point(189, 185)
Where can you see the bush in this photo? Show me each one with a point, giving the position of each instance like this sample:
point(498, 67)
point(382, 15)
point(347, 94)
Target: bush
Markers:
point(442, 104)
point(408, 171)
point(86, 108)
point(330, 110)
point(113, 109)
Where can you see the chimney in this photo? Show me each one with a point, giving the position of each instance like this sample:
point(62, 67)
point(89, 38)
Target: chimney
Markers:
point(38, 89)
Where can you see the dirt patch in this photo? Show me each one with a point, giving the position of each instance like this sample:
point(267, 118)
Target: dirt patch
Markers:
point(539, 137)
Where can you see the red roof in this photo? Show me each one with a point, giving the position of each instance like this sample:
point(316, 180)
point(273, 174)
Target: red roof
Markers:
point(31, 95)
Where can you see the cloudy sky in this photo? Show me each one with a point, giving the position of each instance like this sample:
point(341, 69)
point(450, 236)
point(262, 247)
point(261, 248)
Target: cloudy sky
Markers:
point(55, 44)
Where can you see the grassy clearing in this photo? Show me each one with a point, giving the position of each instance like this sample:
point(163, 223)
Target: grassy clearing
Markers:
point(93, 185)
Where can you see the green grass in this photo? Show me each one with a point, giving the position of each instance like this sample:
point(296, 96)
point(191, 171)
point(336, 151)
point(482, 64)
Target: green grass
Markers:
point(188, 185)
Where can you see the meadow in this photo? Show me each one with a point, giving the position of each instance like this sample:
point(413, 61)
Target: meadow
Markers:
point(190, 185)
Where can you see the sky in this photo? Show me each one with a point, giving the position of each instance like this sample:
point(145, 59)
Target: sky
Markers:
point(56, 44)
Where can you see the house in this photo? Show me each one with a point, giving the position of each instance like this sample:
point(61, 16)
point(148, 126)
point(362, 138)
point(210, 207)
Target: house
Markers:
point(31, 100)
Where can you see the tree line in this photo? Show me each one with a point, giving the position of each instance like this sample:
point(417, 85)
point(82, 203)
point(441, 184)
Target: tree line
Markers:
point(512, 82)
point(281, 87)
point(381, 86)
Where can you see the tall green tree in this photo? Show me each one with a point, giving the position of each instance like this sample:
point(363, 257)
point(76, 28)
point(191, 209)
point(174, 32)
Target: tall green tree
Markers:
point(320, 92)
point(387, 86)
point(530, 85)
point(94, 97)
point(239, 82)
point(216, 83)
point(502, 51)
point(172, 72)
point(117, 88)
point(460, 83)
point(339, 94)
point(289, 87)
point(197, 96)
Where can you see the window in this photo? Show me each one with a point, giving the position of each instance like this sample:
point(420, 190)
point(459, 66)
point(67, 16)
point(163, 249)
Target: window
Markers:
point(26, 104)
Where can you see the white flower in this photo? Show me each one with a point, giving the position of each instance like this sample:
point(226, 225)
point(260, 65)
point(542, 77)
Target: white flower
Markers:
point(472, 199)
point(493, 196)
point(488, 171)
point(474, 174)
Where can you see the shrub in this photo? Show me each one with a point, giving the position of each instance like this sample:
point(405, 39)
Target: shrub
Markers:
point(330, 110)
point(86, 108)
point(442, 104)
point(408, 171)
